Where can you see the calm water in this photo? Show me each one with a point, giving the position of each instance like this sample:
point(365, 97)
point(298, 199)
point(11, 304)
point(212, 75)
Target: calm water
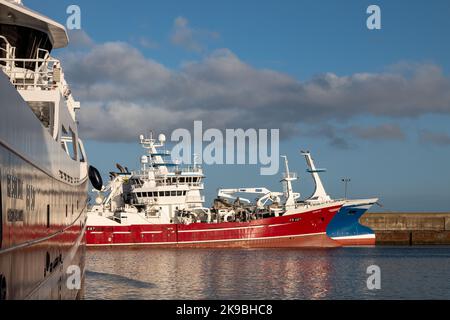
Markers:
point(406, 273)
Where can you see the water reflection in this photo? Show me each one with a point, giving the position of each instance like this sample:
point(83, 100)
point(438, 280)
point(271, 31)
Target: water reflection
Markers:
point(266, 274)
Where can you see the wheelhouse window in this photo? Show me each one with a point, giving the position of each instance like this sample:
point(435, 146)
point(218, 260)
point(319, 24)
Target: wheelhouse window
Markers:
point(45, 112)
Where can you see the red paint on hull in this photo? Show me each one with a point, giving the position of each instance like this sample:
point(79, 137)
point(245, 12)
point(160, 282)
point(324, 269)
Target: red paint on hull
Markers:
point(307, 229)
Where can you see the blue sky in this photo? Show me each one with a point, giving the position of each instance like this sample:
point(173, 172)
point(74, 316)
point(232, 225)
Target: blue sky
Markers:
point(407, 167)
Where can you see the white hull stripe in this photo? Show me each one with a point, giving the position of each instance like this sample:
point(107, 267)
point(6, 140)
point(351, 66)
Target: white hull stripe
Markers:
point(361, 236)
point(206, 241)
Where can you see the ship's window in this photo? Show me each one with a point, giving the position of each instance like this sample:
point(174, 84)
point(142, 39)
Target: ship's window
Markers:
point(179, 193)
point(45, 112)
point(182, 180)
point(138, 194)
point(173, 193)
point(81, 153)
point(161, 193)
point(167, 193)
point(184, 193)
point(72, 208)
point(67, 142)
point(67, 210)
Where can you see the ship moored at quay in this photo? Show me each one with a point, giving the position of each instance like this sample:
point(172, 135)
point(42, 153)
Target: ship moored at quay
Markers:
point(43, 164)
point(162, 205)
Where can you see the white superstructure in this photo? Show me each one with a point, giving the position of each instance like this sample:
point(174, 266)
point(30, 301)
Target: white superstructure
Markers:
point(161, 192)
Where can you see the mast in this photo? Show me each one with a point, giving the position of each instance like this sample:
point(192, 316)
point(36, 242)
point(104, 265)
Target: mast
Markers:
point(288, 177)
point(319, 191)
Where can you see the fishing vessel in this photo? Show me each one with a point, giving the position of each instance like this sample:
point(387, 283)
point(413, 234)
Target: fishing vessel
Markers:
point(43, 164)
point(345, 227)
point(162, 205)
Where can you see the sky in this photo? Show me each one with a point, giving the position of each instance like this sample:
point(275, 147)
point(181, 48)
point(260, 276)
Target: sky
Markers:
point(371, 105)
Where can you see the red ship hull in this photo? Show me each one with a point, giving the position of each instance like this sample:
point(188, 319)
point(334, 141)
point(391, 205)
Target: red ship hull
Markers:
point(306, 229)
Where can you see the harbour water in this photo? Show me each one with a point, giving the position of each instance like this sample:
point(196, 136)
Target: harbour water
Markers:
point(406, 273)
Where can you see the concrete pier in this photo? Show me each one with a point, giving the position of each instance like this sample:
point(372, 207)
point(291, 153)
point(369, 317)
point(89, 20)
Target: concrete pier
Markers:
point(409, 228)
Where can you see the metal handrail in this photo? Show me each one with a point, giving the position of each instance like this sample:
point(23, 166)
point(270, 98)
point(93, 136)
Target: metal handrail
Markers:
point(15, 68)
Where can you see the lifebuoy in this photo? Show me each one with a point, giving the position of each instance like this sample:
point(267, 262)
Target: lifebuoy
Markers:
point(95, 178)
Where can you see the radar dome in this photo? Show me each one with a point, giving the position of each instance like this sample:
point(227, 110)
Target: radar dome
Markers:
point(162, 138)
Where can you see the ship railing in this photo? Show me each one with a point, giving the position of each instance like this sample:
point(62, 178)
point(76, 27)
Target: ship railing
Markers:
point(44, 77)
point(42, 73)
point(290, 175)
point(176, 170)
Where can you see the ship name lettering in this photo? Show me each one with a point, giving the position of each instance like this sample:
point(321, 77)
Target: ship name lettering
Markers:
point(15, 215)
point(14, 187)
point(31, 198)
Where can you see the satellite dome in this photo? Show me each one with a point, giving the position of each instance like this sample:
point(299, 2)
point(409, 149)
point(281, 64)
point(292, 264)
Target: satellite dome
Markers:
point(162, 138)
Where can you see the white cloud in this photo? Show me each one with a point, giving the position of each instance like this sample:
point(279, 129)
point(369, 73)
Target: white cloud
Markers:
point(189, 38)
point(124, 93)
